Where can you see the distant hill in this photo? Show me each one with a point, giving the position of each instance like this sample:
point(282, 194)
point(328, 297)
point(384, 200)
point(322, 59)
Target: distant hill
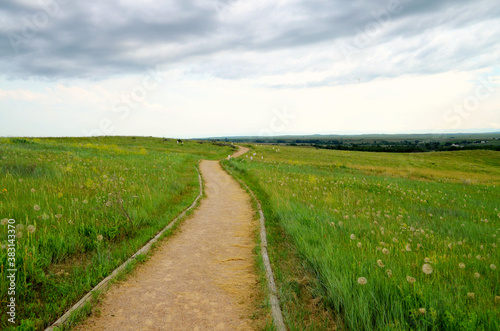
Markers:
point(381, 142)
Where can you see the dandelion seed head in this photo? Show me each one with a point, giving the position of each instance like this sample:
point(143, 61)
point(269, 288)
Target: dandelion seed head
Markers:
point(359, 245)
point(427, 260)
point(389, 273)
point(353, 237)
point(33, 190)
point(477, 275)
point(410, 279)
point(493, 267)
point(385, 251)
point(362, 281)
point(36, 207)
point(99, 237)
point(31, 228)
point(471, 295)
point(422, 311)
point(427, 269)
point(461, 265)
point(4, 221)
point(380, 264)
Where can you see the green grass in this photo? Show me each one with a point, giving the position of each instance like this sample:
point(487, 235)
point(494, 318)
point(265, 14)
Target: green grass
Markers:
point(342, 212)
point(83, 206)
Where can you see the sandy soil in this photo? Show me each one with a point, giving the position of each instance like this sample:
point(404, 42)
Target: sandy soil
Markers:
point(202, 278)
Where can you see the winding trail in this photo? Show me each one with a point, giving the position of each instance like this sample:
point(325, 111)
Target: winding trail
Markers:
point(202, 278)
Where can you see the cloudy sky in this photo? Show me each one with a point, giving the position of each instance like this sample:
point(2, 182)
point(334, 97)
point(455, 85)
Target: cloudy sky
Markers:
point(197, 68)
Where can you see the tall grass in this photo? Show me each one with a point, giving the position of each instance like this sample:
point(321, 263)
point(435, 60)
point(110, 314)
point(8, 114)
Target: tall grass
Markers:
point(396, 241)
point(82, 207)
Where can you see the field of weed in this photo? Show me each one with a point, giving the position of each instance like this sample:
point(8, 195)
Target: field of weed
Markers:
point(81, 207)
point(394, 241)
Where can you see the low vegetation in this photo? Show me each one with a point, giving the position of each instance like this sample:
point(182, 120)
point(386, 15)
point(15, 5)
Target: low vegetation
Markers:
point(82, 207)
point(393, 241)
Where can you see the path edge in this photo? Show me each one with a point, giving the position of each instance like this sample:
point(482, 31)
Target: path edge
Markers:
point(143, 250)
point(271, 285)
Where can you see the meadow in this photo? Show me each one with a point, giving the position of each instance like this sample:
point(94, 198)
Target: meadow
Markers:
point(386, 241)
point(81, 207)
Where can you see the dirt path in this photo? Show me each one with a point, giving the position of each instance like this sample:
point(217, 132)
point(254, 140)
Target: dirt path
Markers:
point(240, 152)
point(202, 278)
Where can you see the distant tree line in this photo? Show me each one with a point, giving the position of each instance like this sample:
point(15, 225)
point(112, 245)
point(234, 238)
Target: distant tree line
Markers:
point(367, 143)
point(414, 148)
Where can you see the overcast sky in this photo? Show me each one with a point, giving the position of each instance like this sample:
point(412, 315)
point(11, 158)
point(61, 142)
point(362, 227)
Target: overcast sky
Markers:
point(198, 68)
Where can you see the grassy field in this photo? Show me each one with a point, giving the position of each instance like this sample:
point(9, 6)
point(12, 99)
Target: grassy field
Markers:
point(390, 241)
point(82, 206)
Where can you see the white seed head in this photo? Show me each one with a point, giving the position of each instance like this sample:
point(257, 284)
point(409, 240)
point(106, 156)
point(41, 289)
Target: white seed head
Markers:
point(427, 269)
point(362, 281)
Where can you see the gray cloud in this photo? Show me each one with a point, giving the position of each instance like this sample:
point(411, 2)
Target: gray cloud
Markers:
point(97, 39)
